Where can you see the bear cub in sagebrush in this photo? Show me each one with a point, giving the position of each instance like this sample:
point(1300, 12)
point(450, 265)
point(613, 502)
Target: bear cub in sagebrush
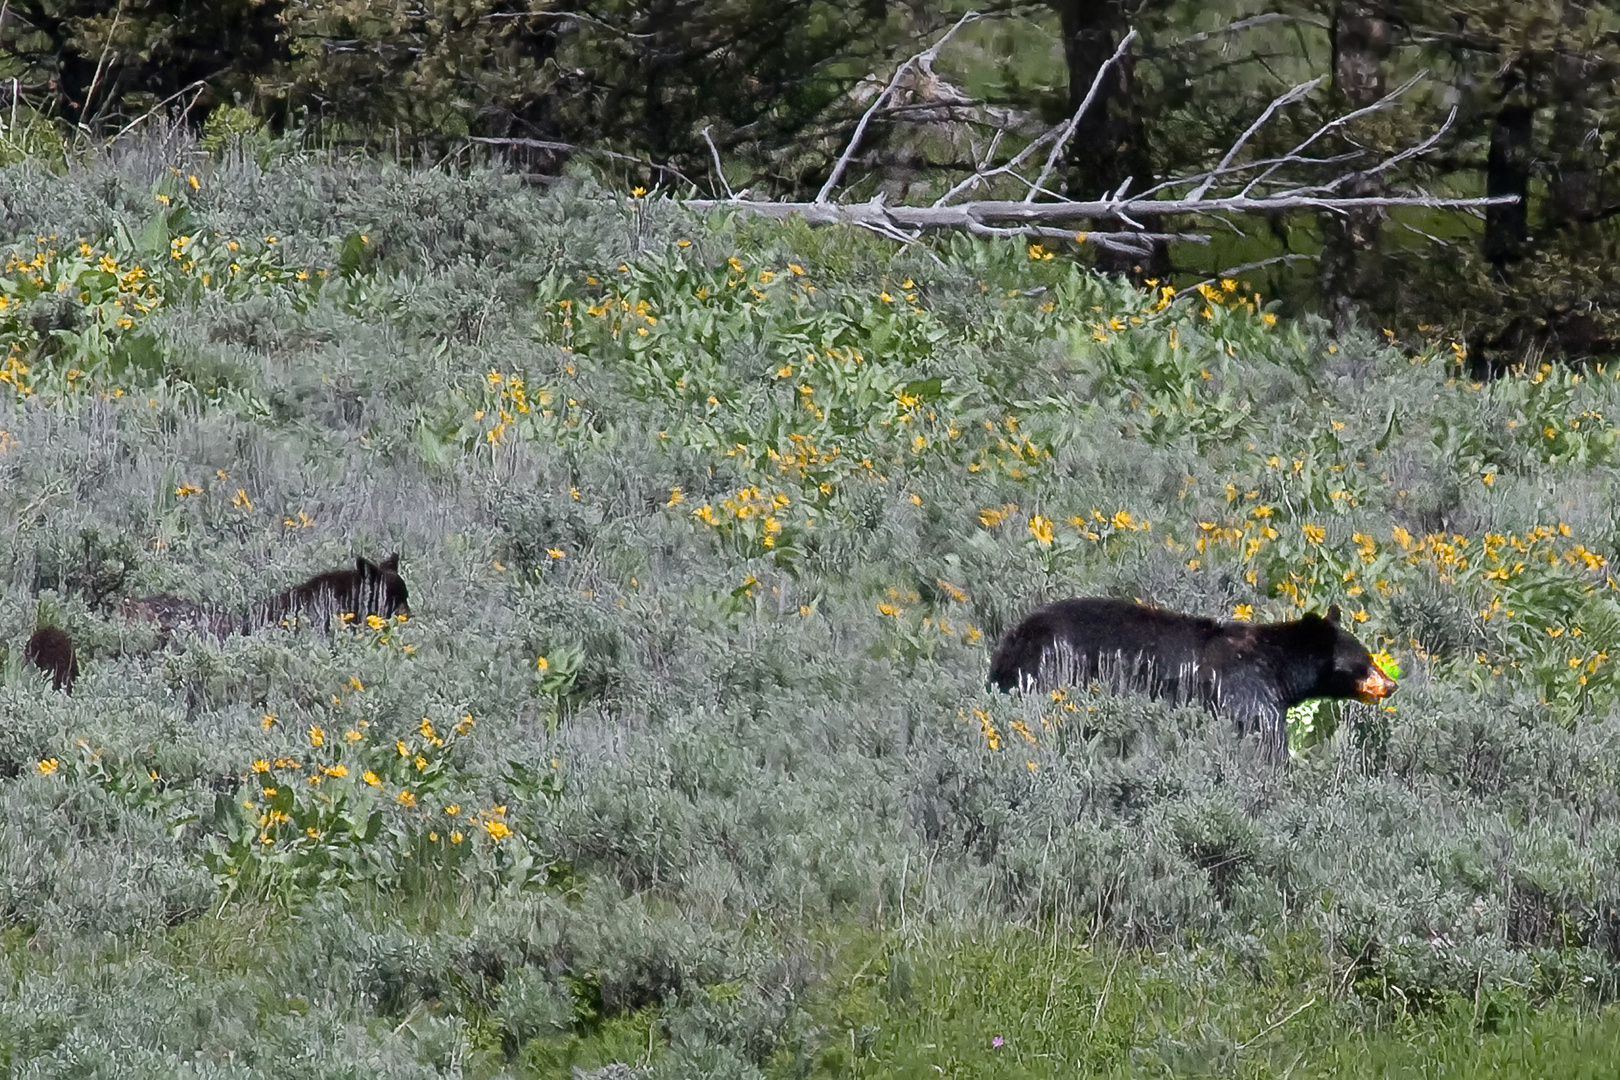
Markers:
point(51, 651)
point(1251, 673)
point(367, 589)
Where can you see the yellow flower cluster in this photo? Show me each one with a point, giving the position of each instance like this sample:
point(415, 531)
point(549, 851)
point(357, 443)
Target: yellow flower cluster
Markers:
point(288, 817)
point(756, 512)
point(803, 457)
point(988, 729)
point(505, 399)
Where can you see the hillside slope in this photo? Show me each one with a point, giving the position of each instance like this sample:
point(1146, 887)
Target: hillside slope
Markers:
point(685, 756)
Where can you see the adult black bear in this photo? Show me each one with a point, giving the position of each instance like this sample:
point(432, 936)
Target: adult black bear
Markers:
point(1252, 673)
point(51, 650)
point(368, 589)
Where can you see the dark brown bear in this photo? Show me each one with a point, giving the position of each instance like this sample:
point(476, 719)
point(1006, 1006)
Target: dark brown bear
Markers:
point(1252, 673)
point(368, 589)
point(51, 651)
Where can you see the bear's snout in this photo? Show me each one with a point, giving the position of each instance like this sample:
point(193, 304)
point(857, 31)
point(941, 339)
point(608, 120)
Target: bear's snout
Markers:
point(1375, 687)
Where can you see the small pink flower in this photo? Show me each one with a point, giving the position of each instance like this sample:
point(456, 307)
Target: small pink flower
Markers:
point(995, 1043)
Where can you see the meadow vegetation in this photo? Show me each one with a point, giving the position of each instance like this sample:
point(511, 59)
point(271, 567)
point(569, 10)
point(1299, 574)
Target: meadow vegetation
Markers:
point(684, 760)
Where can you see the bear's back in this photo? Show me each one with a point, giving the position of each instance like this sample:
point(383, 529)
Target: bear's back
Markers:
point(1086, 638)
point(367, 589)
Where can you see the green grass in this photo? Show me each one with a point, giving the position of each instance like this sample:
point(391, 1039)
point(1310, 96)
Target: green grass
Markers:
point(1012, 1003)
point(685, 759)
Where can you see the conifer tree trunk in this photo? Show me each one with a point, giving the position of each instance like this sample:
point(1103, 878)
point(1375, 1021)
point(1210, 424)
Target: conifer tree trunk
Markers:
point(1362, 38)
point(1507, 172)
point(1109, 143)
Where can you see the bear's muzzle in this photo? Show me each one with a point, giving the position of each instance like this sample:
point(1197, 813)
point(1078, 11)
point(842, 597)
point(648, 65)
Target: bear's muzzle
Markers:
point(1375, 687)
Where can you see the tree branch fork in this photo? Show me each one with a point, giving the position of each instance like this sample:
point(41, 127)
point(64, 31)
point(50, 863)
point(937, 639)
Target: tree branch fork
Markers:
point(1233, 187)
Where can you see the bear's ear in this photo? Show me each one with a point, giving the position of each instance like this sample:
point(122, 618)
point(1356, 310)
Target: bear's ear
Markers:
point(390, 565)
point(365, 566)
point(1332, 616)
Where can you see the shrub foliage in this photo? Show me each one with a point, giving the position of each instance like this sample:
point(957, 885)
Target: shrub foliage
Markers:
point(684, 758)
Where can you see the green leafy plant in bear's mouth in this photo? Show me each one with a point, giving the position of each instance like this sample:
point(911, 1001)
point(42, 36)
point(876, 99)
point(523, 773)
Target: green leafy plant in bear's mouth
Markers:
point(1311, 723)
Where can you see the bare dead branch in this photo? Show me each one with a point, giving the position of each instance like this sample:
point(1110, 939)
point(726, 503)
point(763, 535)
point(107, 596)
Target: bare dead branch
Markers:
point(990, 154)
point(1247, 24)
point(1394, 159)
point(1024, 216)
point(1040, 213)
point(199, 86)
point(894, 84)
point(719, 170)
point(532, 144)
point(981, 175)
point(1427, 236)
point(101, 66)
point(1074, 121)
point(1243, 167)
point(1280, 101)
point(1338, 122)
point(1133, 239)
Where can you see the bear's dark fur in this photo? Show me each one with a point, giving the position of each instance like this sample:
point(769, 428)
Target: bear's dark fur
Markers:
point(51, 650)
point(368, 589)
point(1252, 673)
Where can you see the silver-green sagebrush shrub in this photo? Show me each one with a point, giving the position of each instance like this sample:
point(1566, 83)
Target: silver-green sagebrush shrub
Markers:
point(710, 541)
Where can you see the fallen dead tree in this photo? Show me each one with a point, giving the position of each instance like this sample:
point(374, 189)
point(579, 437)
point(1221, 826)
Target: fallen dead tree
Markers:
point(1235, 186)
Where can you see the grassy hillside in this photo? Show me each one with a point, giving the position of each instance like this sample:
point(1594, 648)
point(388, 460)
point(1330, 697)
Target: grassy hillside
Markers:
point(684, 760)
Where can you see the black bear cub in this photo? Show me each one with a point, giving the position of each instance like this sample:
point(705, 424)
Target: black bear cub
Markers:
point(368, 589)
point(1252, 673)
point(51, 651)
